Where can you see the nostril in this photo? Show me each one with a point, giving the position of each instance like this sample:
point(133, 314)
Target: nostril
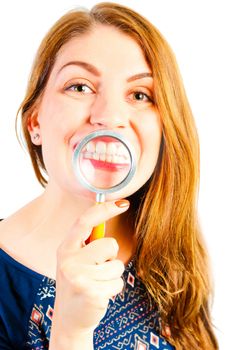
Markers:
point(110, 121)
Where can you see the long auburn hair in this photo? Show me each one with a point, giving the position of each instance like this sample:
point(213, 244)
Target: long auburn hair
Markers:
point(171, 255)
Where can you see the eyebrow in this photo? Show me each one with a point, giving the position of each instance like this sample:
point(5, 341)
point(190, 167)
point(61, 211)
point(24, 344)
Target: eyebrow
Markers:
point(92, 69)
point(89, 67)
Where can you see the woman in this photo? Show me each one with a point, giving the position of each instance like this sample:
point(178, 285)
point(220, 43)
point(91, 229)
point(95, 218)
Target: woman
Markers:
point(108, 68)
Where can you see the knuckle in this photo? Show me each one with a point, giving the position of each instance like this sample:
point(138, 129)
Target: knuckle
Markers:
point(97, 298)
point(108, 246)
point(120, 266)
point(82, 222)
point(63, 272)
point(113, 245)
point(79, 282)
point(117, 287)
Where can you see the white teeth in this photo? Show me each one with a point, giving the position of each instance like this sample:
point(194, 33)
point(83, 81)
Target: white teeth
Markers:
point(110, 152)
point(111, 148)
point(90, 147)
point(103, 157)
point(96, 156)
point(114, 159)
point(88, 155)
point(122, 151)
point(109, 158)
point(100, 147)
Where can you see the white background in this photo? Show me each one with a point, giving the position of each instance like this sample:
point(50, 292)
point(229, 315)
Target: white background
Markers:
point(201, 35)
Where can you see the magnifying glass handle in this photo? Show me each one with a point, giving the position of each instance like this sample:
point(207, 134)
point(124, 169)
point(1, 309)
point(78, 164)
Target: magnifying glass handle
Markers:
point(98, 232)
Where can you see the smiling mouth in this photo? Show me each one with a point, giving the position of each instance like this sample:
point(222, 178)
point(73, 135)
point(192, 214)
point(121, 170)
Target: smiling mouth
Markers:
point(106, 154)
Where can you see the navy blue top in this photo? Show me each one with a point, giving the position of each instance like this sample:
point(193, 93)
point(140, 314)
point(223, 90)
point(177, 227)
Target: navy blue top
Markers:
point(26, 309)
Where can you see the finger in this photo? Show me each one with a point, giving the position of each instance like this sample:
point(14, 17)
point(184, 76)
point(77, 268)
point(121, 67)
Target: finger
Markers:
point(108, 271)
point(99, 251)
point(95, 215)
point(96, 291)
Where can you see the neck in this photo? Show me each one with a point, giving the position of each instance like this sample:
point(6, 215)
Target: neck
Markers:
point(54, 213)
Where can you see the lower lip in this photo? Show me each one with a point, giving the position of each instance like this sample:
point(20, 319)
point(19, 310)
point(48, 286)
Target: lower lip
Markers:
point(98, 164)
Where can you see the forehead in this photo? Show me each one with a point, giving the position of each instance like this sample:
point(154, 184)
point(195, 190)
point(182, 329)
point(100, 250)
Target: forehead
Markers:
point(104, 46)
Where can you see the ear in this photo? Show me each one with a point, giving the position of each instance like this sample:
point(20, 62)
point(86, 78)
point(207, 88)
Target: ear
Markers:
point(33, 126)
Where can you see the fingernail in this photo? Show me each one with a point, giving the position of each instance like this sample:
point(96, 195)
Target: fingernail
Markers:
point(122, 203)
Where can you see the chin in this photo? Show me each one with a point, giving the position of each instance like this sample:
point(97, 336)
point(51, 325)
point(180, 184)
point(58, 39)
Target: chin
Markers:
point(130, 189)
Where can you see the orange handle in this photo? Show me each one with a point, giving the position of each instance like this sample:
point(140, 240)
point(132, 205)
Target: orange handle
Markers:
point(97, 232)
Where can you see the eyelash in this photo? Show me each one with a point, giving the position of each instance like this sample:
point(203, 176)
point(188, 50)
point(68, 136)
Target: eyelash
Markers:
point(149, 99)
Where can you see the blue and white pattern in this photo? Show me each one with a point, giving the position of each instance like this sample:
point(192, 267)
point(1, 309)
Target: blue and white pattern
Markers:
point(131, 322)
point(41, 317)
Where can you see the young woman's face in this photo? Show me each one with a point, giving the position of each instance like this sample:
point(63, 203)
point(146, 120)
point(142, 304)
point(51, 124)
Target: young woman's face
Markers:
point(99, 81)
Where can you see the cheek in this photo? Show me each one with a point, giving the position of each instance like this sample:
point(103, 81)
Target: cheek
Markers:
point(59, 114)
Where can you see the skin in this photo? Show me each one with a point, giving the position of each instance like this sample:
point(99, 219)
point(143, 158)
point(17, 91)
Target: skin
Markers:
point(113, 96)
point(64, 115)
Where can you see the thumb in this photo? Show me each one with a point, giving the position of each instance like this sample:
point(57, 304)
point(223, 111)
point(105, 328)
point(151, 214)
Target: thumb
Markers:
point(92, 217)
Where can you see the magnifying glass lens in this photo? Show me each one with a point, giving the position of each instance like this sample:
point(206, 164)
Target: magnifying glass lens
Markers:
point(104, 162)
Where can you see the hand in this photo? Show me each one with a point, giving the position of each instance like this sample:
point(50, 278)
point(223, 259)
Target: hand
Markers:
point(87, 276)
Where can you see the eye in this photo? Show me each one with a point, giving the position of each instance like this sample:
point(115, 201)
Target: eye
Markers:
point(79, 88)
point(141, 96)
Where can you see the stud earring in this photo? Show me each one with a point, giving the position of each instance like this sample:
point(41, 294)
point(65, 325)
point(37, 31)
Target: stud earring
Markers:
point(36, 136)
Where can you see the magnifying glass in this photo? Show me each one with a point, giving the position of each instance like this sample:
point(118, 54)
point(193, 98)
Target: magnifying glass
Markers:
point(104, 162)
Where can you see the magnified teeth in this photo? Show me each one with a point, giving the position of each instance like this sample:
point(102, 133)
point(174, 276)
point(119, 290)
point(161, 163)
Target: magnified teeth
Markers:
point(115, 159)
point(111, 148)
point(122, 151)
point(90, 147)
point(100, 147)
point(96, 156)
point(111, 152)
point(108, 158)
point(88, 155)
point(103, 157)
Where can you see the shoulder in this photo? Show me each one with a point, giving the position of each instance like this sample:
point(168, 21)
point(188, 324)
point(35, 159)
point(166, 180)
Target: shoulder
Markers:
point(12, 233)
point(8, 230)
point(19, 287)
point(13, 227)
point(4, 231)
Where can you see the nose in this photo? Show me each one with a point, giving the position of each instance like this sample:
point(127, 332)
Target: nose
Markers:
point(109, 112)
